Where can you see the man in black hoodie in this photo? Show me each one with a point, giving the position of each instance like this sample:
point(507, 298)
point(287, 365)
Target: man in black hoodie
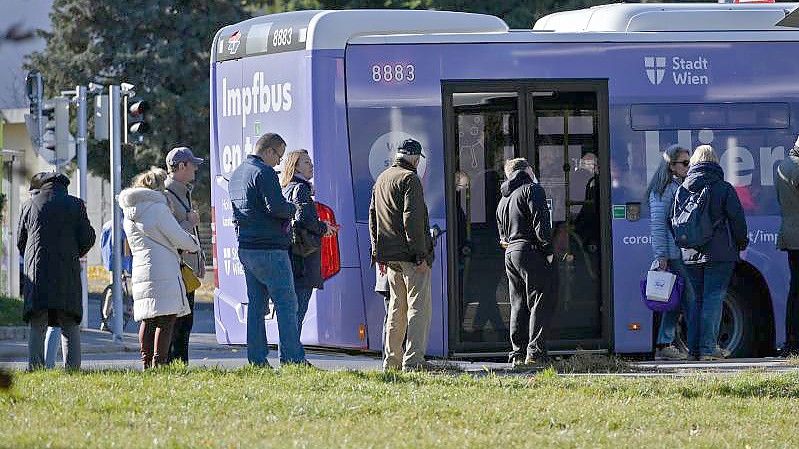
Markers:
point(526, 235)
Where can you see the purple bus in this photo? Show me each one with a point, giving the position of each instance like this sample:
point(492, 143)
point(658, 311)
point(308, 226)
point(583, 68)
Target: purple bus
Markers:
point(590, 97)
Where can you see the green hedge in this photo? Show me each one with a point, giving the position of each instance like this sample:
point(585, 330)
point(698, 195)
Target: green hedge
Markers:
point(10, 311)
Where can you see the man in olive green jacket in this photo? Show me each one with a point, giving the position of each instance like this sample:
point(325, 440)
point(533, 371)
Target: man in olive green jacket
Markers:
point(787, 183)
point(399, 229)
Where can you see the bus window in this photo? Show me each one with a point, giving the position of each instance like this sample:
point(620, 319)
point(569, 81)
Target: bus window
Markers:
point(652, 117)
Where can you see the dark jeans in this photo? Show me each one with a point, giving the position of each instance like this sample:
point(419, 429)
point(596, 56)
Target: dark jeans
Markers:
point(792, 312)
point(155, 336)
point(70, 339)
point(180, 334)
point(710, 281)
point(531, 301)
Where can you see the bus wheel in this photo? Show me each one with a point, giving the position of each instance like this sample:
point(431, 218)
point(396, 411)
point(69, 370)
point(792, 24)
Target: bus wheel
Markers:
point(737, 329)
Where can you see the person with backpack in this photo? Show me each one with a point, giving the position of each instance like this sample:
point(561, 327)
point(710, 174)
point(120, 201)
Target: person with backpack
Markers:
point(709, 226)
point(305, 251)
point(662, 187)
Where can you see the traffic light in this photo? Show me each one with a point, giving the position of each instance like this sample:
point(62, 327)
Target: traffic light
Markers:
point(34, 86)
point(136, 123)
point(56, 137)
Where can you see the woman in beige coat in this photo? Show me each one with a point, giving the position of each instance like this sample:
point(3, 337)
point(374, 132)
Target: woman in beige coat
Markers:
point(155, 239)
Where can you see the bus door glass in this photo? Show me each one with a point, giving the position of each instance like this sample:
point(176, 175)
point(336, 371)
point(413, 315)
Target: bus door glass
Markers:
point(565, 144)
point(486, 134)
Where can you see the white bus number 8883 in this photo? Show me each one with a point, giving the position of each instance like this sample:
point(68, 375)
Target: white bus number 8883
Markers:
point(396, 73)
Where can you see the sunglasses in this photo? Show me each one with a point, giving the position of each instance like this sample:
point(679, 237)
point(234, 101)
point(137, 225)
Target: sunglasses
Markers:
point(684, 163)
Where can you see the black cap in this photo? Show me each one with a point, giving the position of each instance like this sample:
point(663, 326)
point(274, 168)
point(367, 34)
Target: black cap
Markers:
point(410, 147)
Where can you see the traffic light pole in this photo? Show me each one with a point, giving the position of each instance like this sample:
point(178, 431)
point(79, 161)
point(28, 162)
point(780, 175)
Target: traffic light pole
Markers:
point(116, 186)
point(125, 119)
point(39, 118)
point(80, 94)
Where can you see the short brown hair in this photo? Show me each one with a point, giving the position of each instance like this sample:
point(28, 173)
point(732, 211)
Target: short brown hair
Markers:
point(269, 141)
point(513, 165)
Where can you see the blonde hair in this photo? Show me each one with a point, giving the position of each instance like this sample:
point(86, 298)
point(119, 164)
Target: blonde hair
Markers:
point(704, 153)
point(290, 166)
point(152, 179)
point(512, 165)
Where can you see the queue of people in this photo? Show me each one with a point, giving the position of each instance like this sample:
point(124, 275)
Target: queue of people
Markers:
point(279, 239)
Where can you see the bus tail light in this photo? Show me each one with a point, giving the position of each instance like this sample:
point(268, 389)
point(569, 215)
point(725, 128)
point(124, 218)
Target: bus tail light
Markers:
point(331, 258)
point(213, 247)
point(362, 332)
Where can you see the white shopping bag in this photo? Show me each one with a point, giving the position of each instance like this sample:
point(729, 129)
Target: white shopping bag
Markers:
point(659, 285)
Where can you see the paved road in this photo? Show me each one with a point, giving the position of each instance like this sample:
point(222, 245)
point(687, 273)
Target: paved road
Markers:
point(99, 352)
point(203, 316)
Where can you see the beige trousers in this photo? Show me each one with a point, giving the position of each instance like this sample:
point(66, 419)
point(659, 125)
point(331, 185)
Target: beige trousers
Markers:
point(409, 311)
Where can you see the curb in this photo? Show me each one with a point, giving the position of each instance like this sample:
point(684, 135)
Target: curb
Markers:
point(17, 347)
point(14, 332)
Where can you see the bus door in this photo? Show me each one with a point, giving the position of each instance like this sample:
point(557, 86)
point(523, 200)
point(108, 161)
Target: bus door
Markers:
point(566, 125)
point(561, 130)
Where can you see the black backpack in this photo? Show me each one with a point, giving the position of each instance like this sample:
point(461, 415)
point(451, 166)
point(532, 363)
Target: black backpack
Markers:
point(690, 218)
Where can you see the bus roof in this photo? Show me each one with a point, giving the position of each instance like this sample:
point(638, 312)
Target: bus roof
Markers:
point(672, 17)
point(314, 30)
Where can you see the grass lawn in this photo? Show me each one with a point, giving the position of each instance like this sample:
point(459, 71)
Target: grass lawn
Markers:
point(298, 407)
point(10, 311)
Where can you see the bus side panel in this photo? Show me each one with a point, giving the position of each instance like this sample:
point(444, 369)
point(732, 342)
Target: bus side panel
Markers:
point(772, 264)
point(339, 307)
point(684, 74)
point(252, 96)
point(380, 117)
point(226, 146)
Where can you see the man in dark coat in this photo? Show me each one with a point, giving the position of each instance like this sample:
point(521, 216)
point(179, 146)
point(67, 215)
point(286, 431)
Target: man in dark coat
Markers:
point(526, 235)
point(54, 233)
point(787, 184)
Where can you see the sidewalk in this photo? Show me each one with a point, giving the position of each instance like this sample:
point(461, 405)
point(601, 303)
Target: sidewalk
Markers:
point(94, 341)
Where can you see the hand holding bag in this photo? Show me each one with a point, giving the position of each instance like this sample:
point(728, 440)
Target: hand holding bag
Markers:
point(190, 280)
point(661, 291)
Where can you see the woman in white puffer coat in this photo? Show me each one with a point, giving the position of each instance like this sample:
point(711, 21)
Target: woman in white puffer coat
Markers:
point(155, 237)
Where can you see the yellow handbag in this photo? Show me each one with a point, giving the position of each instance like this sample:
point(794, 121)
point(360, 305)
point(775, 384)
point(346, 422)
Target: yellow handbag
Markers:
point(190, 280)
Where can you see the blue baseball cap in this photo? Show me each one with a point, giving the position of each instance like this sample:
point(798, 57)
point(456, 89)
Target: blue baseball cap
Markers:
point(182, 154)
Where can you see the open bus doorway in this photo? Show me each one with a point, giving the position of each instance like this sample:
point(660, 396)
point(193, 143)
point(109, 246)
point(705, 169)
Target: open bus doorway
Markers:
point(561, 128)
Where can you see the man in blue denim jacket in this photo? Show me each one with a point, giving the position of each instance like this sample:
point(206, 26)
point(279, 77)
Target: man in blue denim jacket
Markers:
point(262, 216)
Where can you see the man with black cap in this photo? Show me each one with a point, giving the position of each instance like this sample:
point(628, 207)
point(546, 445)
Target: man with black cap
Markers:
point(182, 166)
point(399, 229)
point(54, 233)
